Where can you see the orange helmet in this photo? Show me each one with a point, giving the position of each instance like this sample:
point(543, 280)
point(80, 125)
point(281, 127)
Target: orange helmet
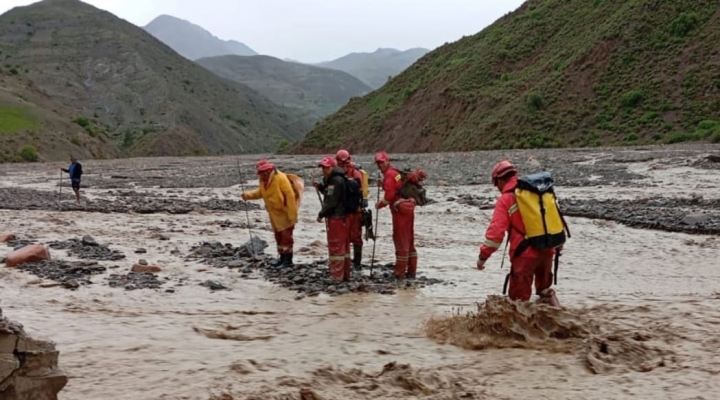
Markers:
point(342, 156)
point(502, 170)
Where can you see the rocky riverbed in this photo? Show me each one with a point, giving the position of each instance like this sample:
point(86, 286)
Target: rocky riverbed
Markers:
point(190, 313)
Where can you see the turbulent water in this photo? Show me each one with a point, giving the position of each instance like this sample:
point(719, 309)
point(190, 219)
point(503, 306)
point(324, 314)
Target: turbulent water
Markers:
point(640, 316)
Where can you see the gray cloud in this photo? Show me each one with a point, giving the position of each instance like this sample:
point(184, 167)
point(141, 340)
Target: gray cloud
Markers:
point(319, 30)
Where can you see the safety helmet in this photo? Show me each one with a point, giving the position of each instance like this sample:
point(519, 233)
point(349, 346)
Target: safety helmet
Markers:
point(503, 169)
point(327, 162)
point(260, 162)
point(381, 157)
point(342, 156)
point(264, 167)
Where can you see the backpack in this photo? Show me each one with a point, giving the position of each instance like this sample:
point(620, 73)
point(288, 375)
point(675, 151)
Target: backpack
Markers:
point(353, 195)
point(411, 187)
point(298, 185)
point(545, 227)
point(365, 181)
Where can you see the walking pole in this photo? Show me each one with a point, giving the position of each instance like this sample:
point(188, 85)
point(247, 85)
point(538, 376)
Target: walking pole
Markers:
point(247, 214)
point(60, 191)
point(377, 216)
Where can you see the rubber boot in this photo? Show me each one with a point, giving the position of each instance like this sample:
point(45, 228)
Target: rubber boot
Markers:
point(548, 297)
point(287, 261)
point(357, 258)
point(280, 260)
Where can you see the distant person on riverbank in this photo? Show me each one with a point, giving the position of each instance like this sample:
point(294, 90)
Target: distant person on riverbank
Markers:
point(281, 205)
point(527, 210)
point(75, 171)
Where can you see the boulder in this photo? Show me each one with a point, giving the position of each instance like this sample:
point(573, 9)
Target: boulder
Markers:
point(695, 218)
point(28, 367)
point(28, 254)
point(139, 268)
point(6, 237)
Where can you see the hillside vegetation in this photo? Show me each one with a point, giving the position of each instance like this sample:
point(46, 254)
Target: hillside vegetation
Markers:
point(375, 68)
point(315, 92)
point(192, 41)
point(552, 73)
point(78, 79)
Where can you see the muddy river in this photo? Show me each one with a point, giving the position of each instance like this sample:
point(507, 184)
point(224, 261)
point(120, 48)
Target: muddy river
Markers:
point(641, 316)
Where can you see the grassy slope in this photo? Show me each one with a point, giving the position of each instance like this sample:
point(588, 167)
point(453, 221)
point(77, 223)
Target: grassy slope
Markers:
point(315, 92)
point(553, 73)
point(136, 92)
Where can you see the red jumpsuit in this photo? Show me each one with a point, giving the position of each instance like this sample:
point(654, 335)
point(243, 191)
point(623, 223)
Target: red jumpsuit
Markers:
point(355, 219)
point(403, 219)
point(531, 263)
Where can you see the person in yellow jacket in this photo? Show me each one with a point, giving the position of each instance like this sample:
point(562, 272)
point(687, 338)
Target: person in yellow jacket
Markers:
point(282, 207)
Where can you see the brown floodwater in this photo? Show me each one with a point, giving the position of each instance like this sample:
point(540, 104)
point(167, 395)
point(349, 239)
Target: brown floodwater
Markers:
point(641, 315)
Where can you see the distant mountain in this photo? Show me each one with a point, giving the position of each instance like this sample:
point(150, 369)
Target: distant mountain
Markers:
point(375, 68)
point(76, 78)
point(192, 41)
point(314, 91)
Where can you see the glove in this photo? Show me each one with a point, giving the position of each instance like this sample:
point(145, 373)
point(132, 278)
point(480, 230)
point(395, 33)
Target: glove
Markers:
point(480, 264)
point(364, 203)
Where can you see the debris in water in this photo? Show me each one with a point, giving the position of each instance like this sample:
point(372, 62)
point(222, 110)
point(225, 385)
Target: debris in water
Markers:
point(70, 274)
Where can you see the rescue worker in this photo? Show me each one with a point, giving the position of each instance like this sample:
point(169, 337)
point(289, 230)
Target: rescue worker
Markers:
point(403, 218)
point(333, 210)
point(344, 161)
point(531, 263)
point(279, 198)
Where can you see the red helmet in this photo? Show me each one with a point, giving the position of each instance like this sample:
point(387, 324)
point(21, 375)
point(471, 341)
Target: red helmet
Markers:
point(503, 169)
point(342, 156)
point(327, 162)
point(381, 157)
point(264, 167)
point(260, 162)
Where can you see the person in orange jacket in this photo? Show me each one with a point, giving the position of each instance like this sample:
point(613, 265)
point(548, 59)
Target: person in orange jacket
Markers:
point(344, 161)
point(279, 198)
point(529, 263)
point(403, 218)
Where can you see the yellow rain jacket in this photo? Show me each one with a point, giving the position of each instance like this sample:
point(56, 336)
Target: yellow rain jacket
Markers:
point(279, 199)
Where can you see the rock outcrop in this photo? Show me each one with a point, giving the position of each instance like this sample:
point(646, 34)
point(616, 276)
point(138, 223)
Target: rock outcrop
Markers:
point(28, 367)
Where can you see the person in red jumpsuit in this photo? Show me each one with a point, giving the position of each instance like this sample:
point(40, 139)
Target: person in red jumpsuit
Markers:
point(333, 211)
point(344, 161)
point(531, 263)
point(403, 218)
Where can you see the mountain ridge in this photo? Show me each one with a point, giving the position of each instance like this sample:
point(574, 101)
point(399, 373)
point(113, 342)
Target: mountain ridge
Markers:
point(552, 73)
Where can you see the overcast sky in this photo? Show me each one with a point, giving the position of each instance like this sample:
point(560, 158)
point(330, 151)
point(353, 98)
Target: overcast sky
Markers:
point(318, 30)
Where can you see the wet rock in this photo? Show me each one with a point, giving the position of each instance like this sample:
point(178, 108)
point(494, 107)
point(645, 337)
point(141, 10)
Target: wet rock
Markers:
point(88, 240)
point(310, 279)
point(695, 218)
point(28, 254)
point(153, 269)
point(142, 261)
point(214, 285)
point(82, 249)
point(28, 368)
point(70, 274)
point(140, 251)
point(6, 237)
point(134, 281)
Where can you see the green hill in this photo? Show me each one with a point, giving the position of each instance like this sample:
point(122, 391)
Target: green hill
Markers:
point(129, 93)
point(552, 73)
point(375, 68)
point(313, 91)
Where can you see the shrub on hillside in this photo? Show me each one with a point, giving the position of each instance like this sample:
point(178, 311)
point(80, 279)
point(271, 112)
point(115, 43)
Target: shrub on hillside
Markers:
point(29, 154)
point(684, 23)
point(632, 98)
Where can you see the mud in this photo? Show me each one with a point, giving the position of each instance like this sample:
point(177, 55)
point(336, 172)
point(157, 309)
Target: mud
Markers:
point(641, 305)
point(308, 279)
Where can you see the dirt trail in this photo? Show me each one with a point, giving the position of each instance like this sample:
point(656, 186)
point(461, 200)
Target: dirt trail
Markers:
point(641, 318)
